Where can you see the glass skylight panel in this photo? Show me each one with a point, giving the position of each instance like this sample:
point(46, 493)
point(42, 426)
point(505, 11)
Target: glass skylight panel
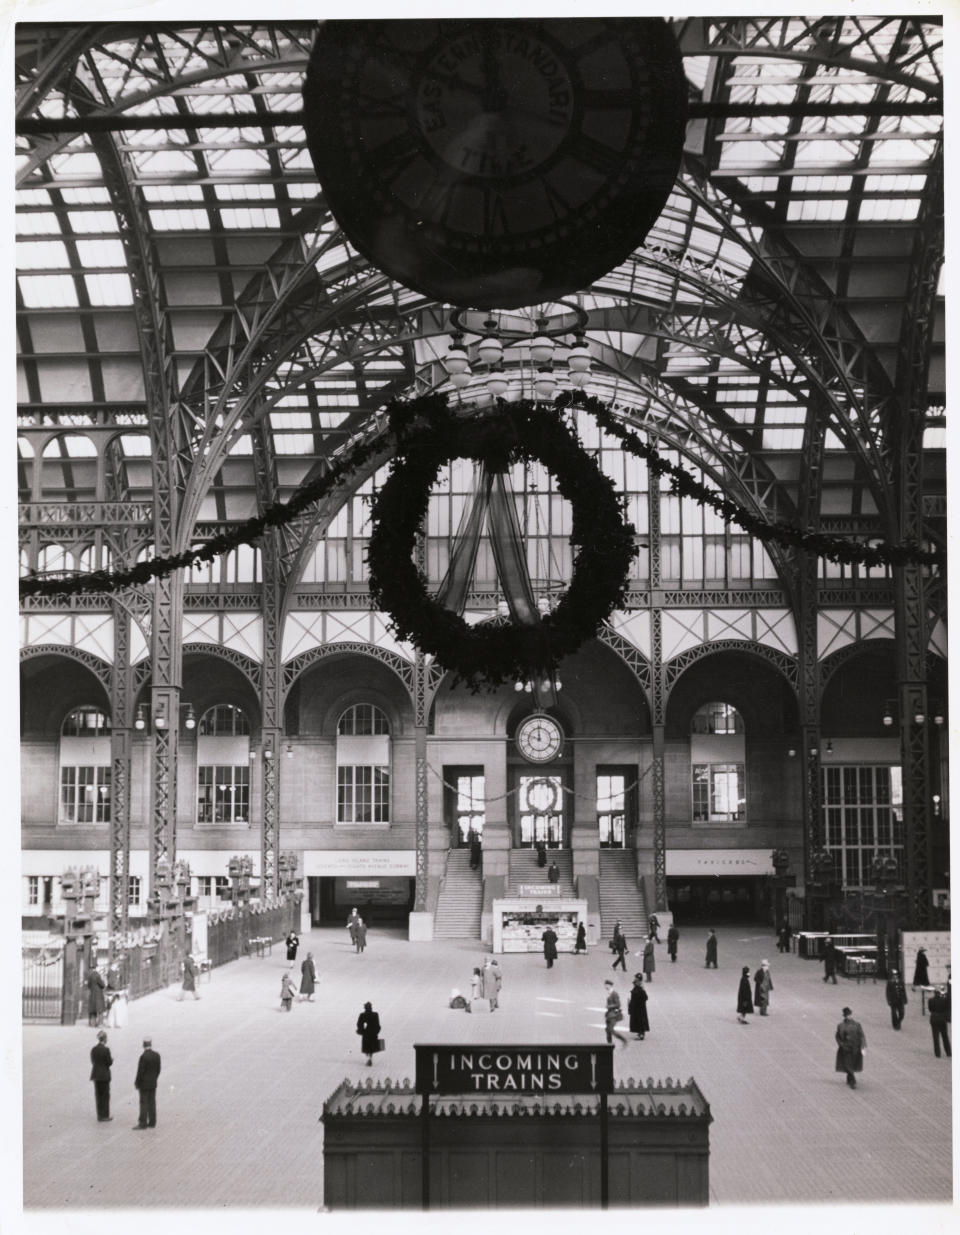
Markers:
point(37, 223)
point(180, 220)
point(817, 209)
point(88, 195)
point(101, 253)
point(166, 162)
point(330, 419)
point(136, 445)
point(305, 191)
point(782, 439)
point(48, 291)
point(902, 209)
point(294, 444)
point(41, 255)
point(33, 197)
point(87, 222)
point(70, 165)
point(291, 420)
point(245, 192)
point(249, 217)
point(336, 255)
point(109, 289)
point(242, 446)
point(172, 193)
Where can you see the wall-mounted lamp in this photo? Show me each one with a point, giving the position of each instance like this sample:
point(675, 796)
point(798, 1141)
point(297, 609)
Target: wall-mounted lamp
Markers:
point(288, 750)
point(829, 746)
point(191, 721)
point(888, 713)
point(141, 720)
point(792, 753)
point(814, 751)
point(936, 805)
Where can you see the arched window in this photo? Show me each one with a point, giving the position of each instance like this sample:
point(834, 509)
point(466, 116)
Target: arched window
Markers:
point(224, 720)
point(223, 766)
point(717, 760)
point(363, 765)
point(85, 779)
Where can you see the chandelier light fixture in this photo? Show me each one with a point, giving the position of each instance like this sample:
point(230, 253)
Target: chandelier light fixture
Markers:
point(535, 340)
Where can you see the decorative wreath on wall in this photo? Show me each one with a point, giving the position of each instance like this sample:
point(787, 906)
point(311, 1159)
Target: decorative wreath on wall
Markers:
point(428, 436)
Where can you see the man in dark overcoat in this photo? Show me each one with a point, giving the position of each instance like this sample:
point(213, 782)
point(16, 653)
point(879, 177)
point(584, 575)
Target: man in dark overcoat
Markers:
point(101, 1062)
point(673, 936)
point(939, 1010)
point(830, 962)
point(96, 996)
point(896, 998)
point(851, 1043)
point(549, 938)
point(148, 1070)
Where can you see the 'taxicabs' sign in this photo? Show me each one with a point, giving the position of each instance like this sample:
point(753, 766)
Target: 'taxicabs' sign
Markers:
point(511, 1070)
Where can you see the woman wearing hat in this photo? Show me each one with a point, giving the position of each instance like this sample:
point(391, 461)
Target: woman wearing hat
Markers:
point(744, 1001)
point(851, 1043)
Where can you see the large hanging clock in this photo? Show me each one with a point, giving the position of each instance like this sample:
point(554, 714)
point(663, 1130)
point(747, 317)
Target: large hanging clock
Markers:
point(496, 163)
point(539, 738)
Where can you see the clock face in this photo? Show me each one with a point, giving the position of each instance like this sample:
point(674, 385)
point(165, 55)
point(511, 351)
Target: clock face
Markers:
point(496, 163)
point(539, 738)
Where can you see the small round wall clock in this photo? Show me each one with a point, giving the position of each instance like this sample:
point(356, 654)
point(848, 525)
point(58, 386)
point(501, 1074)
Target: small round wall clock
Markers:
point(539, 738)
point(496, 163)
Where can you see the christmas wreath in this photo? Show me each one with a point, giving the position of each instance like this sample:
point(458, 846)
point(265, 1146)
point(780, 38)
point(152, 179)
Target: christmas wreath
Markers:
point(429, 435)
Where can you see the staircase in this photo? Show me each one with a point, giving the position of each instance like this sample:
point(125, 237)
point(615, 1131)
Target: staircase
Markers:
point(524, 869)
point(621, 897)
point(460, 900)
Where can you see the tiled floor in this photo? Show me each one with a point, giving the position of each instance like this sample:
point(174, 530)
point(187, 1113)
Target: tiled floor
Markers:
point(243, 1084)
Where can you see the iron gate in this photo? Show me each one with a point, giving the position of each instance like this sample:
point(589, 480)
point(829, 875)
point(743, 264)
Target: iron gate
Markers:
point(42, 985)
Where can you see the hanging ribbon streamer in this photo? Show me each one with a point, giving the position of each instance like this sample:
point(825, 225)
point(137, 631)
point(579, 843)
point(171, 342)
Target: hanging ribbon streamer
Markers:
point(833, 548)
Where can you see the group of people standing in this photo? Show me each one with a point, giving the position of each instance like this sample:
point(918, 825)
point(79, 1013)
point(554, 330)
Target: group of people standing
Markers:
point(757, 1000)
point(145, 1082)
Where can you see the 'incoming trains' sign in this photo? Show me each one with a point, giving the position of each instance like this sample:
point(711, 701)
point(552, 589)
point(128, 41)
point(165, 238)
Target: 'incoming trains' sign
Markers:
point(508, 1070)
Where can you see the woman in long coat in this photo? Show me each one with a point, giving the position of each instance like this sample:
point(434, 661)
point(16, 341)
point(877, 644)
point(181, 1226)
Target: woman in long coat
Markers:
point(851, 1042)
point(711, 950)
point(293, 942)
point(649, 959)
point(308, 978)
point(581, 944)
point(744, 1000)
point(368, 1026)
point(189, 977)
point(637, 1007)
point(921, 976)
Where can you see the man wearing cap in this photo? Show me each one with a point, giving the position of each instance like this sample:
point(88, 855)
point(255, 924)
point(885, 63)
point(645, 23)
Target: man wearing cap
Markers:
point(101, 1061)
point(939, 1009)
point(851, 1043)
point(148, 1069)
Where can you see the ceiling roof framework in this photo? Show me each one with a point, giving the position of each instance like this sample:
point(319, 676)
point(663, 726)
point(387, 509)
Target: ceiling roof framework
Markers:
point(767, 305)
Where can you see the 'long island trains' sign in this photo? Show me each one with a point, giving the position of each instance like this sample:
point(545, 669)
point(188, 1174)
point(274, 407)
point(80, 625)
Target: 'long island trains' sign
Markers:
point(510, 1070)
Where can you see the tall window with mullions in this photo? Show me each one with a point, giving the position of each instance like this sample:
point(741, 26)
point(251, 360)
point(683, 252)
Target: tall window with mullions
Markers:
point(864, 819)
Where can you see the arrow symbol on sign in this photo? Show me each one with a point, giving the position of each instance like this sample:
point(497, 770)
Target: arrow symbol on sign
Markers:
point(436, 1065)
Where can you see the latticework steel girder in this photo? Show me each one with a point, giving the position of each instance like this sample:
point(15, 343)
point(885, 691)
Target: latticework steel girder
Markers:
point(145, 67)
point(851, 43)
